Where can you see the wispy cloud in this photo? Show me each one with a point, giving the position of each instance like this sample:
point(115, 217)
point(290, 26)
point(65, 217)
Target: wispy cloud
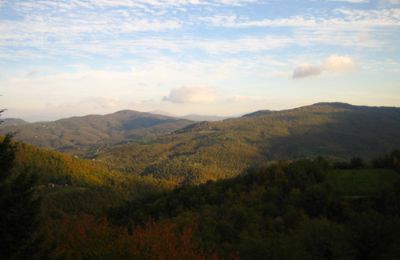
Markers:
point(306, 70)
point(389, 2)
point(347, 19)
point(351, 1)
point(116, 28)
point(147, 49)
point(191, 95)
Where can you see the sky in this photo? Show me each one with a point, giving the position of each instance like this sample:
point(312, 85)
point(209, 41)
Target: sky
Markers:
point(223, 57)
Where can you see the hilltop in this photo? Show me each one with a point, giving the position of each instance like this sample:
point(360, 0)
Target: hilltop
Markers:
point(70, 184)
point(188, 152)
point(85, 135)
point(214, 150)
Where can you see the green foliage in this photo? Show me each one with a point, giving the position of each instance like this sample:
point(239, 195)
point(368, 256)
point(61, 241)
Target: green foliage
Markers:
point(7, 157)
point(215, 150)
point(19, 206)
point(364, 182)
point(85, 136)
point(391, 161)
point(322, 239)
point(70, 185)
point(289, 210)
point(303, 209)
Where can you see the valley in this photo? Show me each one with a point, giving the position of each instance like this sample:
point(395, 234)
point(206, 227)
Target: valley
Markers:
point(245, 187)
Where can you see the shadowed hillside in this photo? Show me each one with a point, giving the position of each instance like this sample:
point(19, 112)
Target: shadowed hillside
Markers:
point(84, 135)
point(213, 150)
point(302, 209)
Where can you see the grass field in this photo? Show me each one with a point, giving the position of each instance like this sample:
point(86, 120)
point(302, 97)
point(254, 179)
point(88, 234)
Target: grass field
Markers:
point(362, 182)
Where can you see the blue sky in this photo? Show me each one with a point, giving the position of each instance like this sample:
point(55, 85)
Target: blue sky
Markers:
point(227, 57)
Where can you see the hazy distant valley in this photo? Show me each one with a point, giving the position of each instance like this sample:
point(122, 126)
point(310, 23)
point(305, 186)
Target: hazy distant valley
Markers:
point(290, 173)
point(200, 129)
point(85, 135)
point(193, 152)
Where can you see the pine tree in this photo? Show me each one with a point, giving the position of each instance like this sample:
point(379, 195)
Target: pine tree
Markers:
point(19, 209)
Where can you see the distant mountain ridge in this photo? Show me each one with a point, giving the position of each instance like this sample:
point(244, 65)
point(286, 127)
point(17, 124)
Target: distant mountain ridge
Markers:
point(193, 117)
point(196, 117)
point(84, 135)
point(184, 151)
point(12, 122)
point(214, 150)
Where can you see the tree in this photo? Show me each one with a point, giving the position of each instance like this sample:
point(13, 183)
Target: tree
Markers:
point(19, 207)
point(357, 163)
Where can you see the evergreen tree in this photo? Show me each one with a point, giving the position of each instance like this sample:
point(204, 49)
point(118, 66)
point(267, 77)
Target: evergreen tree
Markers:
point(18, 205)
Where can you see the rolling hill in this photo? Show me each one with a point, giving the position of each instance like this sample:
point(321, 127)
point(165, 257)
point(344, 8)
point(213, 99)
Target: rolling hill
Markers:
point(69, 185)
point(303, 209)
point(307, 208)
point(85, 135)
point(12, 122)
point(214, 150)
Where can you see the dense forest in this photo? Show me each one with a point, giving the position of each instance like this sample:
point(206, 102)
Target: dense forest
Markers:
point(84, 136)
point(200, 129)
point(214, 150)
point(303, 209)
point(212, 191)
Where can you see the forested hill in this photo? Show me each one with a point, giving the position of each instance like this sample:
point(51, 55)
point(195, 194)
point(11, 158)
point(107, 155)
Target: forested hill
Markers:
point(70, 185)
point(213, 150)
point(12, 122)
point(83, 135)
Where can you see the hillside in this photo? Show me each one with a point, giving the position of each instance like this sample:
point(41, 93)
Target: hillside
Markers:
point(295, 210)
point(70, 185)
point(301, 209)
point(12, 122)
point(85, 135)
point(214, 150)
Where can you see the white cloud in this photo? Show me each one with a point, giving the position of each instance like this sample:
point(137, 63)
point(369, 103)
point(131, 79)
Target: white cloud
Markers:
point(336, 63)
point(389, 2)
point(245, 44)
point(332, 64)
point(306, 70)
point(191, 95)
point(146, 5)
point(349, 19)
point(82, 28)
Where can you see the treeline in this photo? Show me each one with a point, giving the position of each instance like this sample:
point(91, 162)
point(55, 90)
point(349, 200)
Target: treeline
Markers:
point(20, 207)
point(224, 149)
point(287, 210)
point(389, 161)
point(71, 185)
point(41, 189)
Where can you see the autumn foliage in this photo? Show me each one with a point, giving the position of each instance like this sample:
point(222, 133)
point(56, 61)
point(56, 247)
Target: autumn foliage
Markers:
point(87, 237)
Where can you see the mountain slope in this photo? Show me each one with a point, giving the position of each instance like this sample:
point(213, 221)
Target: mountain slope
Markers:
point(285, 211)
point(12, 122)
point(84, 135)
point(213, 150)
point(70, 185)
